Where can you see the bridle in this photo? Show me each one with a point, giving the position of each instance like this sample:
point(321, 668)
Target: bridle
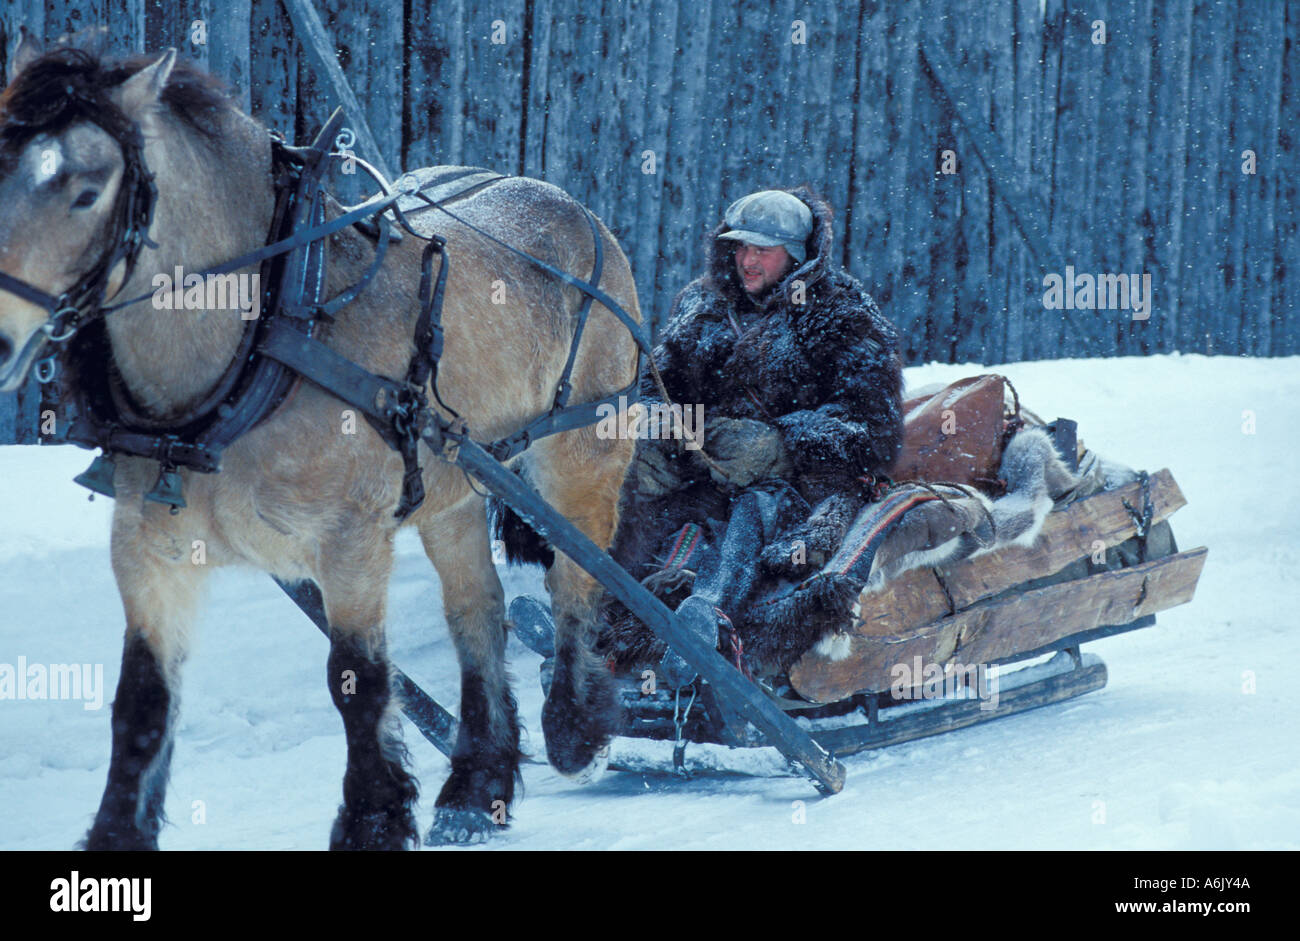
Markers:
point(281, 346)
point(129, 221)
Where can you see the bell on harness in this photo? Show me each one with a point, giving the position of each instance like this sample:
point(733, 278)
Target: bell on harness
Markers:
point(168, 489)
point(98, 477)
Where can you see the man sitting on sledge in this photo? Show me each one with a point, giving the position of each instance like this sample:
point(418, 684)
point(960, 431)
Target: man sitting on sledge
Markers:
point(799, 377)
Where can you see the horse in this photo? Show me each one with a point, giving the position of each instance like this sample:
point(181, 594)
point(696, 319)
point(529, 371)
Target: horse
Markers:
point(309, 492)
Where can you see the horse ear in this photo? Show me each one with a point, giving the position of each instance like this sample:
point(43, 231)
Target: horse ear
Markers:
point(29, 49)
point(142, 90)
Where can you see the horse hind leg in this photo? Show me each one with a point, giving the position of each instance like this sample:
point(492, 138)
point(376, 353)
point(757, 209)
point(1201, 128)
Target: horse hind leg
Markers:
point(159, 598)
point(379, 794)
point(581, 475)
point(475, 800)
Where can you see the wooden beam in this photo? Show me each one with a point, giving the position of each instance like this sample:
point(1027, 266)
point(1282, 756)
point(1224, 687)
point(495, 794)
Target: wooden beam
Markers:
point(987, 631)
point(1026, 209)
point(320, 50)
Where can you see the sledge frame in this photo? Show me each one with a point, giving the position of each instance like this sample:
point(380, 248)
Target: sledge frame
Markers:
point(732, 711)
point(1067, 595)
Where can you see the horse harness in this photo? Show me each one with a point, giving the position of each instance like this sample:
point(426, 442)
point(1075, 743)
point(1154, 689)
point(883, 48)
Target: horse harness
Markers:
point(280, 346)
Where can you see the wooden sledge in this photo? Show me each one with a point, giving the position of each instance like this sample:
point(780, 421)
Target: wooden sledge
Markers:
point(920, 653)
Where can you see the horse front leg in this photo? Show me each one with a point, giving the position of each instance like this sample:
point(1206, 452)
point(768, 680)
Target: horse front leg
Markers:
point(379, 794)
point(159, 597)
point(475, 800)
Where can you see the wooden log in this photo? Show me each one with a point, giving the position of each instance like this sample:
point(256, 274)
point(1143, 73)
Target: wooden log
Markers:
point(1076, 532)
point(230, 47)
point(435, 84)
point(1208, 150)
point(976, 336)
point(1024, 281)
point(652, 222)
point(1167, 181)
point(866, 224)
point(993, 630)
point(273, 53)
point(1138, 337)
point(1045, 339)
point(1286, 254)
point(319, 47)
point(1260, 46)
point(494, 47)
point(682, 165)
point(907, 257)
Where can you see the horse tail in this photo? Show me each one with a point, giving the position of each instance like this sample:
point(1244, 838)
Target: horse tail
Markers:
point(523, 544)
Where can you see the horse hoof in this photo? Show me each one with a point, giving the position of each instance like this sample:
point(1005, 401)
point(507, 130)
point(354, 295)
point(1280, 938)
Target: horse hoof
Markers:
point(456, 827)
point(534, 625)
point(594, 771)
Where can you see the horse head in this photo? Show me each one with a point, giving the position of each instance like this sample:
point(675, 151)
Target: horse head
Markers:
point(105, 169)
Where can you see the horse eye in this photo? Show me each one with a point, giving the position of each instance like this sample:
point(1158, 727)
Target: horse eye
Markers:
point(86, 199)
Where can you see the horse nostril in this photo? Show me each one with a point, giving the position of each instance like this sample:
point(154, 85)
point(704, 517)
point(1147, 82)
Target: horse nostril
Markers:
point(5, 349)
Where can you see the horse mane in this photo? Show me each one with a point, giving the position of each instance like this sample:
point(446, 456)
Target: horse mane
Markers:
point(68, 84)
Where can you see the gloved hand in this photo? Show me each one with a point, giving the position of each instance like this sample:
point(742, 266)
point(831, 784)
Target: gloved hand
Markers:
point(657, 473)
point(807, 546)
point(746, 451)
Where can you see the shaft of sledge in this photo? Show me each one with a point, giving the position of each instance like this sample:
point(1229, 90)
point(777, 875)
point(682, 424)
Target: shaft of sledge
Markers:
point(740, 694)
point(431, 720)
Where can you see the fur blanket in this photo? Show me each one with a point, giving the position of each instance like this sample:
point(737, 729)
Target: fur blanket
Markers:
point(909, 528)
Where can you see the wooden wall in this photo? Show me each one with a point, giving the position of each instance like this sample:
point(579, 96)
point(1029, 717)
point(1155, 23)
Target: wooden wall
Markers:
point(1127, 155)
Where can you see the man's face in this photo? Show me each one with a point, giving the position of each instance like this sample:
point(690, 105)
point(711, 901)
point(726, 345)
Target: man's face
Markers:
point(761, 267)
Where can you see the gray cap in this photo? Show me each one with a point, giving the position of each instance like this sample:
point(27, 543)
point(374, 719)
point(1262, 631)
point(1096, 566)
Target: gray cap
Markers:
point(770, 217)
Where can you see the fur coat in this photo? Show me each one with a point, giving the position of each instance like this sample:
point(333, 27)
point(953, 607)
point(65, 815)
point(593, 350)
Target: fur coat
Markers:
point(815, 359)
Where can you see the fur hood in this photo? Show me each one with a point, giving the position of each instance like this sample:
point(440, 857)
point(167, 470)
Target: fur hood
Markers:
point(721, 278)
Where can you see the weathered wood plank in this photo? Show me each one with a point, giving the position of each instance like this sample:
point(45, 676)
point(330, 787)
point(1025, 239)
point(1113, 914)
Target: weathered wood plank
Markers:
point(1286, 254)
point(1138, 337)
point(993, 630)
point(319, 47)
point(907, 257)
point(273, 54)
point(1261, 42)
point(1166, 186)
point(230, 47)
point(1023, 285)
point(494, 94)
point(1076, 532)
point(683, 163)
point(653, 226)
point(433, 97)
point(1206, 196)
point(865, 228)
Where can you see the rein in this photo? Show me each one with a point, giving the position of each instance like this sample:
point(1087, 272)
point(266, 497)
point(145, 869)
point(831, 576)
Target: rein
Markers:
point(280, 347)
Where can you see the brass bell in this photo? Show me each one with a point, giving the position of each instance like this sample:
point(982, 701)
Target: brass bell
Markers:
point(168, 490)
point(98, 477)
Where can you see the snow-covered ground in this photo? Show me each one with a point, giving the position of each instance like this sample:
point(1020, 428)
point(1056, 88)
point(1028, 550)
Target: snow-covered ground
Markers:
point(1193, 744)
